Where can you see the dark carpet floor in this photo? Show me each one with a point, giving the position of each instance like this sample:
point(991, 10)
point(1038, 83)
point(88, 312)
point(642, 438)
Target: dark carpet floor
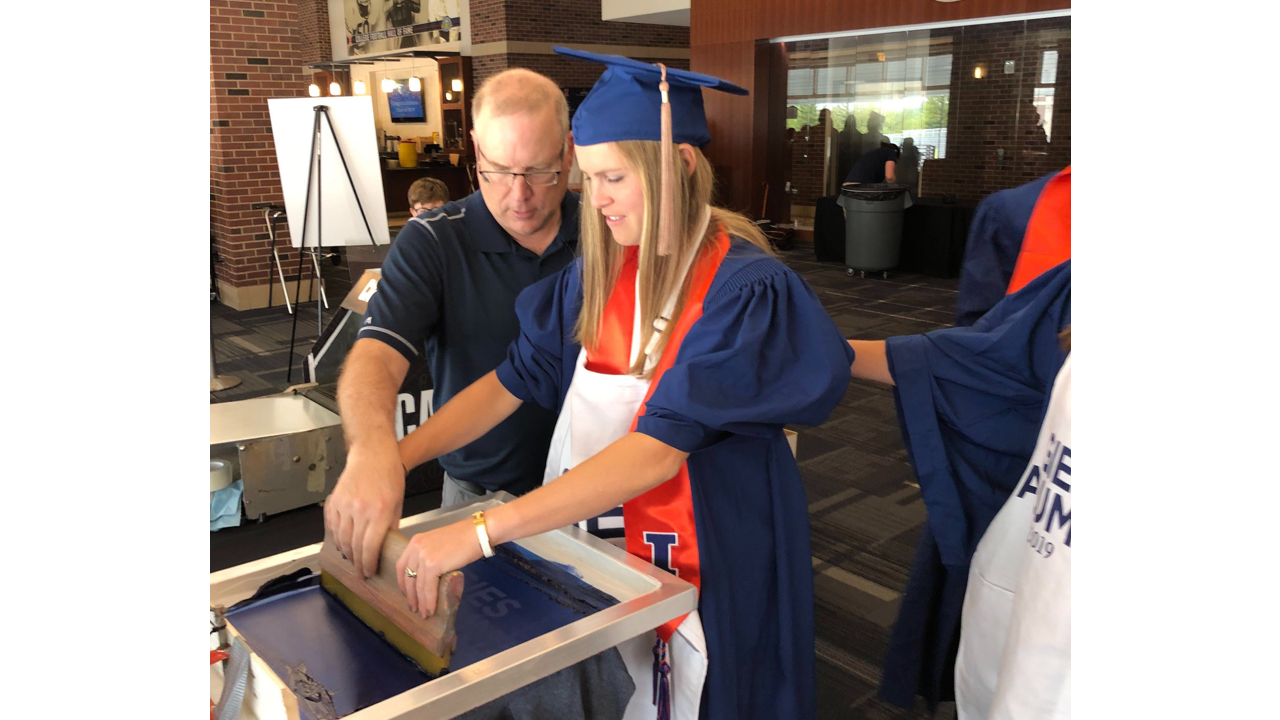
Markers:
point(865, 509)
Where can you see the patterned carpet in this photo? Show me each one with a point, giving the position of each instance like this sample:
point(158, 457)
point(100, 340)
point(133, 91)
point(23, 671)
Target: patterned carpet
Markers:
point(865, 509)
point(253, 345)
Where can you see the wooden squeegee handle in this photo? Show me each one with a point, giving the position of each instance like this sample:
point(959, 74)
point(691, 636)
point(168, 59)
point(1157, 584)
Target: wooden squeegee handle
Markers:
point(392, 548)
point(382, 591)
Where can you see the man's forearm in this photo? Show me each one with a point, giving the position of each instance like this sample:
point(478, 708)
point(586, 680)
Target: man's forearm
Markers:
point(367, 391)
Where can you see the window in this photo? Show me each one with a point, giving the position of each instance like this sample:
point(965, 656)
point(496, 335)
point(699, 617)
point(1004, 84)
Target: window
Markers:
point(958, 135)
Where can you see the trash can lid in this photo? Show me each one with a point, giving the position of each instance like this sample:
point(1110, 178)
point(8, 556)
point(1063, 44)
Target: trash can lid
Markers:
point(873, 191)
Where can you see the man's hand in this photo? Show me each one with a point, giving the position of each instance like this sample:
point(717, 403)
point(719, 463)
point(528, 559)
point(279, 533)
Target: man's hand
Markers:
point(367, 502)
point(370, 493)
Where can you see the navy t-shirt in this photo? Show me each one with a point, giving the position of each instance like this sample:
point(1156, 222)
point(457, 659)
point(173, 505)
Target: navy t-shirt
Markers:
point(448, 291)
point(869, 167)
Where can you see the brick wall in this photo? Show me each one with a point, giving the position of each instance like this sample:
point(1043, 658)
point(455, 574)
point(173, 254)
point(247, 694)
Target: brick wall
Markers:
point(313, 31)
point(560, 21)
point(578, 21)
point(488, 21)
point(565, 72)
point(996, 112)
point(256, 52)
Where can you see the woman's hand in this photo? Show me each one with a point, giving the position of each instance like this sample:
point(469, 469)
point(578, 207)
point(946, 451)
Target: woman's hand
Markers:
point(432, 554)
point(632, 465)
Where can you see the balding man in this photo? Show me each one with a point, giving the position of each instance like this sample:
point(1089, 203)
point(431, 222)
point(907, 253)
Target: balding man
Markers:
point(448, 292)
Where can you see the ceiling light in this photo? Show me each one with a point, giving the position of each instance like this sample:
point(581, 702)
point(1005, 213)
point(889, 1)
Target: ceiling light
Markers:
point(335, 89)
point(314, 90)
point(359, 87)
point(415, 84)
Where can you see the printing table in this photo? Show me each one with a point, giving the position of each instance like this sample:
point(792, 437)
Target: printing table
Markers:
point(647, 597)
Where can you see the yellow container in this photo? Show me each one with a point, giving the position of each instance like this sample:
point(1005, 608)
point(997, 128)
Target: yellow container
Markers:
point(408, 154)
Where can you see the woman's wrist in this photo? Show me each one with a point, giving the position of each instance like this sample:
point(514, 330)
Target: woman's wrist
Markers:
point(499, 524)
point(408, 458)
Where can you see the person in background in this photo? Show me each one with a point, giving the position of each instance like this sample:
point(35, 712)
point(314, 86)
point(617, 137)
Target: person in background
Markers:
point(907, 169)
point(877, 166)
point(850, 146)
point(873, 138)
point(427, 194)
point(402, 13)
point(448, 292)
point(985, 413)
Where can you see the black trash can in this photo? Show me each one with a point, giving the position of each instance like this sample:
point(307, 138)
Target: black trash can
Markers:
point(873, 226)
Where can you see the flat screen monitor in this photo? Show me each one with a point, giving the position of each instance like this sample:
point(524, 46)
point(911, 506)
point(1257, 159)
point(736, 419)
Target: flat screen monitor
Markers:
point(405, 104)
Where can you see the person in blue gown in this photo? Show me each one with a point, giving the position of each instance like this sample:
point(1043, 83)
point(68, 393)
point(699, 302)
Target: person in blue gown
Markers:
point(970, 402)
point(694, 452)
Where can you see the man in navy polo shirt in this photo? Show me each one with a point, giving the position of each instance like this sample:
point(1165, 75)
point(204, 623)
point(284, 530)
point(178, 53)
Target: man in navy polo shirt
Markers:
point(448, 292)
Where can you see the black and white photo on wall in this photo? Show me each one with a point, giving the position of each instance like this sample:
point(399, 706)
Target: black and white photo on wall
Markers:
point(378, 26)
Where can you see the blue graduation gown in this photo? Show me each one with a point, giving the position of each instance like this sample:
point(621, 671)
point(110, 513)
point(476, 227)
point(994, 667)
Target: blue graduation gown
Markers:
point(991, 250)
point(764, 353)
point(970, 402)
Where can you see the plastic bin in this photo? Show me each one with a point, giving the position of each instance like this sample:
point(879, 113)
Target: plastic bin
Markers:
point(873, 226)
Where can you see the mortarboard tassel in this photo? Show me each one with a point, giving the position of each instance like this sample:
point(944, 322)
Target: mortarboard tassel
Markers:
point(666, 200)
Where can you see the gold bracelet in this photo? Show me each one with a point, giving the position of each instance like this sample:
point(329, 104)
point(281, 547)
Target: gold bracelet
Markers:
point(482, 532)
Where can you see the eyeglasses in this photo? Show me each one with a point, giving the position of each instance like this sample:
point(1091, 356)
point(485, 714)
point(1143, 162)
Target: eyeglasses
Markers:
point(542, 178)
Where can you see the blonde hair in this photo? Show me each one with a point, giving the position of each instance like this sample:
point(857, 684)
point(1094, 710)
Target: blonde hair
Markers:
point(516, 91)
point(658, 274)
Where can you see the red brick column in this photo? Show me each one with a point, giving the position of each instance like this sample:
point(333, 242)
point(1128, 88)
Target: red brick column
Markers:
point(256, 52)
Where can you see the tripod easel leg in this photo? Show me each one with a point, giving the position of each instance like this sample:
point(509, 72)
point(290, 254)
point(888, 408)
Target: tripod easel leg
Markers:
point(297, 294)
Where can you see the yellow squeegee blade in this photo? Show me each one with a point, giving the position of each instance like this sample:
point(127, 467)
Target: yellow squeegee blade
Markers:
point(433, 664)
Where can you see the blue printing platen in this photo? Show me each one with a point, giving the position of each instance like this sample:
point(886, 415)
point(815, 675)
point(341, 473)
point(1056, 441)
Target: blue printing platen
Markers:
point(506, 600)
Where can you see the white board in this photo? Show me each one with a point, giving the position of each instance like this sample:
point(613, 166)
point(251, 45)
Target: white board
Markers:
point(292, 123)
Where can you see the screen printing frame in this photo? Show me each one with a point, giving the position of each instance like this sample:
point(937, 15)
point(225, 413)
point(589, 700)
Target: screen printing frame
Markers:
point(648, 597)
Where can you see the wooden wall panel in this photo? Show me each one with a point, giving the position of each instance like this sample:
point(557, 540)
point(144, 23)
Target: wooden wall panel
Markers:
point(724, 21)
point(731, 119)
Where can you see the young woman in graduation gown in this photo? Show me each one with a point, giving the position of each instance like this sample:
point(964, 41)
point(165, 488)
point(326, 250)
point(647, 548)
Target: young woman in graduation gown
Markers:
point(675, 350)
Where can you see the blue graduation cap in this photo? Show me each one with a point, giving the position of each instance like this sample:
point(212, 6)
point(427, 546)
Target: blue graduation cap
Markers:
point(626, 102)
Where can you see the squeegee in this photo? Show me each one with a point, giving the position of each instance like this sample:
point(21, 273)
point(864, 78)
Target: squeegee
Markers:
point(380, 604)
